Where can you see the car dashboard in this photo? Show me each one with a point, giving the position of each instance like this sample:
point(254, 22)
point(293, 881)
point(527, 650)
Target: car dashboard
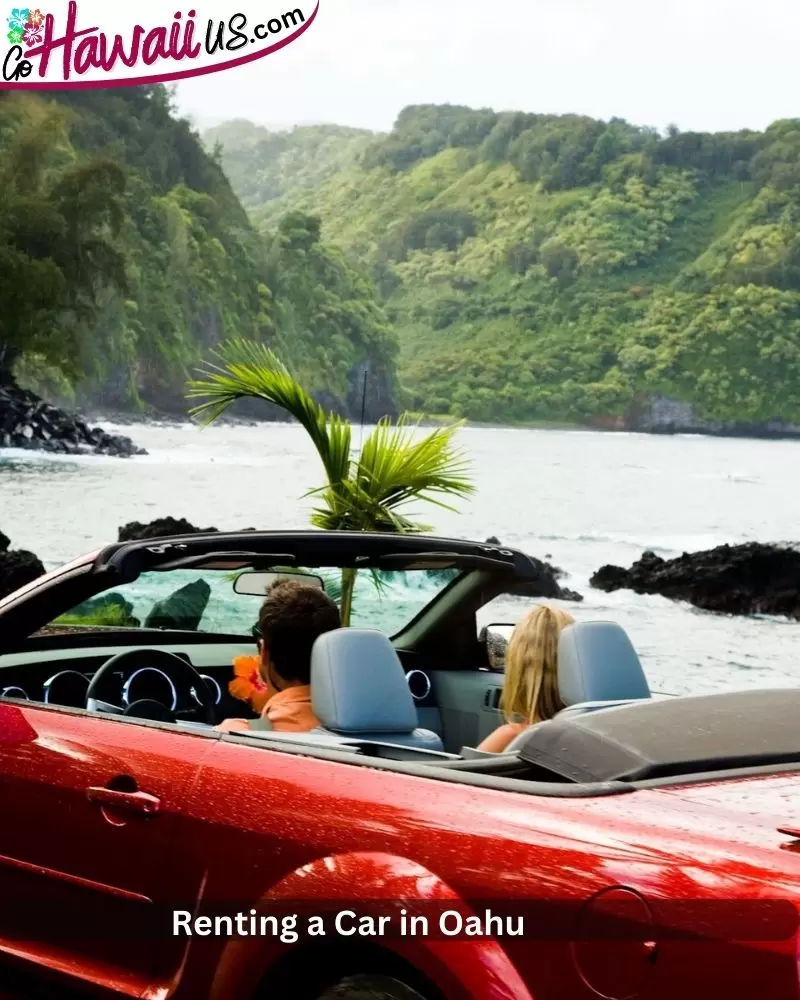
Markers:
point(61, 676)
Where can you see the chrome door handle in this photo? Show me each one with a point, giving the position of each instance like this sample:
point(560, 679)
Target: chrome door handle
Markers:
point(139, 802)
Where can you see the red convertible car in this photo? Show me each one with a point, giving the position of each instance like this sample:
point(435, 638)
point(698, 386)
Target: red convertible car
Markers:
point(633, 846)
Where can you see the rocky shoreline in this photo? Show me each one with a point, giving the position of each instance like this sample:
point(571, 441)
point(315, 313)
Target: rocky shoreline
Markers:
point(28, 422)
point(749, 579)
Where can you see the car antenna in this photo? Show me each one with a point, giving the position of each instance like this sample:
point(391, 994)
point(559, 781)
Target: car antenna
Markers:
point(363, 408)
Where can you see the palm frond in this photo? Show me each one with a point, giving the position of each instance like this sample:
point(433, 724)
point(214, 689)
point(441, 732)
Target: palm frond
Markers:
point(333, 585)
point(394, 467)
point(347, 506)
point(248, 369)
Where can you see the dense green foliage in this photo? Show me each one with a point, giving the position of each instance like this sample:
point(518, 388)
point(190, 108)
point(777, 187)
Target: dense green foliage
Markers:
point(280, 162)
point(59, 218)
point(131, 256)
point(560, 268)
point(321, 312)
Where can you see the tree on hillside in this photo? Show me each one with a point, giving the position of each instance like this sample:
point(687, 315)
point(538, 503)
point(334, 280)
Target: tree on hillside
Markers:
point(325, 315)
point(367, 492)
point(59, 217)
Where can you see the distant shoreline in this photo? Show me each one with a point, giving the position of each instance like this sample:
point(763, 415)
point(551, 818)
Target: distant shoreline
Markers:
point(439, 420)
point(129, 419)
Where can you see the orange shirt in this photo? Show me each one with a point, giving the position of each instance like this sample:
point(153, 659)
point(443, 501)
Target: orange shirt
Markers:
point(289, 711)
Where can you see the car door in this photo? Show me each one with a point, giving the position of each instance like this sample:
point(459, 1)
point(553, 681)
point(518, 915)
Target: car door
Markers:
point(469, 703)
point(88, 860)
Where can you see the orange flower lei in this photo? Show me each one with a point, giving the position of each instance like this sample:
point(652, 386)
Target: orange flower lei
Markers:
point(247, 684)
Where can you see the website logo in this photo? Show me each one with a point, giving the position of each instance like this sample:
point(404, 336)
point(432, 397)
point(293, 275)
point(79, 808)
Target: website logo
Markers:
point(95, 44)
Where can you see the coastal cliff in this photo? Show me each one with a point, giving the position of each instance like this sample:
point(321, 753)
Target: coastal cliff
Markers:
point(659, 415)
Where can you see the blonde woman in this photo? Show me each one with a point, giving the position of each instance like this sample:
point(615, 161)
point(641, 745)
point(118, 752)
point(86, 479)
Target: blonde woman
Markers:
point(530, 688)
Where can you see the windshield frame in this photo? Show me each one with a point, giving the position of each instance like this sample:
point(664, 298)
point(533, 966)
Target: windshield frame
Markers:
point(22, 614)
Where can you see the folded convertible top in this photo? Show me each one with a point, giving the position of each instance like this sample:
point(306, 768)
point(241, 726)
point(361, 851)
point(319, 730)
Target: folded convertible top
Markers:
point(670, 737)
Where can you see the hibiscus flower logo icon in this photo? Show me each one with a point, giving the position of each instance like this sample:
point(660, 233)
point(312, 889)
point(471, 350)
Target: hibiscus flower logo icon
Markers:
point(25, 26)
point(18, 19)
point(32, 34)
point(16, 24)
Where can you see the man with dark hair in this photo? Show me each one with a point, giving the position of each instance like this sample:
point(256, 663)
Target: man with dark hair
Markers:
point(291, 619)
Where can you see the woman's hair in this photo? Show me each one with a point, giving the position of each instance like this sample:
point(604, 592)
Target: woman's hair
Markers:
point(530, 688)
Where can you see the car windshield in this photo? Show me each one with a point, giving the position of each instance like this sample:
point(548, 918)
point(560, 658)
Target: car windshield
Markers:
point(214, 601)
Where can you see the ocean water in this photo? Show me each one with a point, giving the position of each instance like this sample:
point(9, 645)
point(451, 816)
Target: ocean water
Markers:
point(579, 499)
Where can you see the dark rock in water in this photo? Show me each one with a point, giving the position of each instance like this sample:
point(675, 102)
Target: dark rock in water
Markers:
point(733, 579)
point(182, 610)
point(17, 568)
point(108, 609)
point(26, 421)
point(162, 527)
point(548, 585)
point(611, 578)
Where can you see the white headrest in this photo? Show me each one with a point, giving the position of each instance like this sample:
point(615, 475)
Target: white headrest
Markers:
point(358, 684)
point(597, 662)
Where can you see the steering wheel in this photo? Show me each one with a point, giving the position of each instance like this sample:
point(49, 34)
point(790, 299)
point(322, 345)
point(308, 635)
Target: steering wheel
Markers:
point(180, 682)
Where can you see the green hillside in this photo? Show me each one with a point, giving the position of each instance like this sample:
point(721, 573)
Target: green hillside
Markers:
point(559, 268)
point(273, 167)
point(131, 258)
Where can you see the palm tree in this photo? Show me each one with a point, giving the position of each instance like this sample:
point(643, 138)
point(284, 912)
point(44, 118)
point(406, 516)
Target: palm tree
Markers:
point(367, 492)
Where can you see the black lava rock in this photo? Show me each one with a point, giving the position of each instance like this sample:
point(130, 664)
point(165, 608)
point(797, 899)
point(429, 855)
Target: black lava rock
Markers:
point(162, 527)
point(733, 579)
point(26, 421)
point(182, 610)
point(547, 584)
point(17, 568)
